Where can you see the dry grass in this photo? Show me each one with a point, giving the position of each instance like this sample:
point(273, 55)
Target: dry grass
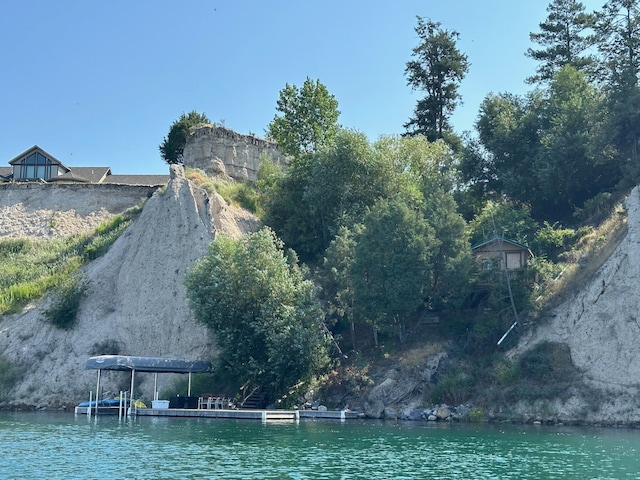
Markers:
point(584, 260)
point(418, 355)
point(241, 194)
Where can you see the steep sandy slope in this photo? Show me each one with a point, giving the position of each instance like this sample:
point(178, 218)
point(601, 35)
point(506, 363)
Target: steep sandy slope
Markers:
point(135, 303)
point(601, 326)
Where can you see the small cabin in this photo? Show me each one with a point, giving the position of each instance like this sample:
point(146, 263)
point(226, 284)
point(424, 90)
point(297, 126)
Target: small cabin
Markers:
point(508, 253)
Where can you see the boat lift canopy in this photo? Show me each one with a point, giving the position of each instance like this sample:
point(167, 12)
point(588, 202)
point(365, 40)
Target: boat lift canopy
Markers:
point(153, 365)
point(147, 364)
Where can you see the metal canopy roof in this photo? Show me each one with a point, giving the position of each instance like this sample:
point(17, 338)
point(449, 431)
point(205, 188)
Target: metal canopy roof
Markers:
point(147, 364)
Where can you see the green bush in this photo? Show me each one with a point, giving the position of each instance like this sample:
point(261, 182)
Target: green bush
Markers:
point(452, 389)
point(8, 377)
point(546, 372)
point(547, 361)
point(66, 301)
point(477, 415)
point(551, 240)
point(507, 373)
point(13, 246)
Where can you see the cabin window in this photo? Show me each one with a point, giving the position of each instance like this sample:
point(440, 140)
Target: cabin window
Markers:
point(514, 260)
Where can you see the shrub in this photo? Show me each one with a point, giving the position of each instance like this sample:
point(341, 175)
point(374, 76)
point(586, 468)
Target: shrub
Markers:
point(546, 362)
point(12, 246)
point(551, 240)
point(507, 373)
point(8, 377)
point(106, 347)
point(452, 389)
point(64, 307)
point(546, 372)
point(477, 415)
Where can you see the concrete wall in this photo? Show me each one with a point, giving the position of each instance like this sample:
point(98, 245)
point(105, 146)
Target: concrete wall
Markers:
point(83, 198)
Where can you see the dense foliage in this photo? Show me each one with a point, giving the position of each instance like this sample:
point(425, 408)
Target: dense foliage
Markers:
point(387, 225)
point(263, 311)
point(307, 118)
point(172, 147)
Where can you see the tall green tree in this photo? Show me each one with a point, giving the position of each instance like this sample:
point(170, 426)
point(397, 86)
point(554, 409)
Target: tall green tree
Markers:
point(392, 266)
point(509, 128)
point(336, 279)
point(263, 312)
point(565, 37)
point(323, 191)
point(426, 178)
point(307, 118)
point(619, 44)
point(568, 168)
point(172, 147)
point(437, 69)
point(618, 29)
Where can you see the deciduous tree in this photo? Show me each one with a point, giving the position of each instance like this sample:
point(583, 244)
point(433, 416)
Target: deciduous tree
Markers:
point(263, 312)
point(392, 265)
point(307, 118)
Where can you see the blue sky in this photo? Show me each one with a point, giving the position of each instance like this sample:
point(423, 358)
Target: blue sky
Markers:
point(99, 83)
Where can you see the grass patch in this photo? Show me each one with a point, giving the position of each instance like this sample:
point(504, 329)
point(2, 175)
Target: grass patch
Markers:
point(30, 268)
point(66, 301)
point(242, 194)
point(545, 372)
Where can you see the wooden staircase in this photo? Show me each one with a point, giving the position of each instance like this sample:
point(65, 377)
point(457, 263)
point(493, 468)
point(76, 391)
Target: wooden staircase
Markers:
point(254, 399)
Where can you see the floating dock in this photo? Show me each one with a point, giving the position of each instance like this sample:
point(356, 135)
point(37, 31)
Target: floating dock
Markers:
point(205, 406)
point(239, 414)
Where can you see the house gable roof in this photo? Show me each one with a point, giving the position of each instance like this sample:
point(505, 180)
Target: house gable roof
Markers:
point(69, 177)
point(498, 238)
point(93, 175)
point(36, 148)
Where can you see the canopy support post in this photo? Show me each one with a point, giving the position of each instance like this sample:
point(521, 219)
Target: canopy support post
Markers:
point(189, 388)
point(155, 386)
point(133, 376)
point(97, 393)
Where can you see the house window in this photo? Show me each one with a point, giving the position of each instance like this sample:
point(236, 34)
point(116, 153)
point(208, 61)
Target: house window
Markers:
point(35, 166)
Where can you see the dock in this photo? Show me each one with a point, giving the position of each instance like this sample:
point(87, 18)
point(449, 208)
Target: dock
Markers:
point(203, 406)
point(240, 414)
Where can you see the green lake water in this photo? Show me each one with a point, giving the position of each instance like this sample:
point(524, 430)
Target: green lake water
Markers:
point(63, 446)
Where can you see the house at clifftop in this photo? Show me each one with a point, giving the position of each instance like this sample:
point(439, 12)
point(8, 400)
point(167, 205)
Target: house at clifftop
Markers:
point(498, 250)
point(36, 165)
